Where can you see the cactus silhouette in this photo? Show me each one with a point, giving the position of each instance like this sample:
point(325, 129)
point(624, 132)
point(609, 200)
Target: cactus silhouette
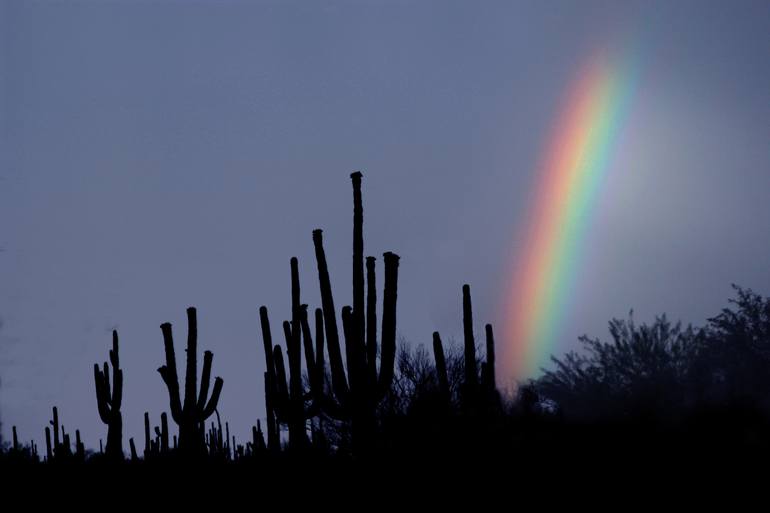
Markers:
point(441, 370)
point(475, 395)
point(357, 392)
point(132, 446)
point(80, 449)
point(109, 401)
point(161, 434)
point(191, 414)
point(257, 438)
point(147, 439)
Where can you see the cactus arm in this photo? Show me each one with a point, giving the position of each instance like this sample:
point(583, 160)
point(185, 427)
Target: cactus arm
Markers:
point(101, 399)
point(146, 434)
point(371, 320)
point(307, 344)
point(348, 331)
point(319, 340)
point(267, 339)
point(281, 387)
point(441, 371)
point(169, 375)
point(173, 393)
point(131, 444)
point(490, 363)
point(208, 356)
point(191, 372)
point(214, 400)
point(295, 360)
point(471, 377)
point(358, 274)
point(272, 432)
point(390, 296)
point(339, 382)
point(106, 379)
point(117, 390)
point(164, 432)
point(55, 424)
point(114, 356)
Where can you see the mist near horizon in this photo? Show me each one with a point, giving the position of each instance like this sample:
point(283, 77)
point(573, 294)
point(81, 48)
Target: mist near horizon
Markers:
point(160, 155)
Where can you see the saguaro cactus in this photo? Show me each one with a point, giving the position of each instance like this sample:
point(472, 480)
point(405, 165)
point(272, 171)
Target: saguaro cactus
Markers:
point(191, 415)
point(358, 391)
point(109, 402)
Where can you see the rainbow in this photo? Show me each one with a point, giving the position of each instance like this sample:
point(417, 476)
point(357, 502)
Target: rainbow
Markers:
point(572, 170)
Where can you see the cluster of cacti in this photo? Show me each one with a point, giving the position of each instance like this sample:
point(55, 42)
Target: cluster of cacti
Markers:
point(217, 442)
point(22, 452)
point(257, 438)
point(59, 448)
point(154, 446)
point(358, 386)
point(349, 393)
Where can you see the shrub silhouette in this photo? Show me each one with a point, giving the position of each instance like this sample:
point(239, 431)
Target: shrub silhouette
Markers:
point(665, 372)
point(644, 371)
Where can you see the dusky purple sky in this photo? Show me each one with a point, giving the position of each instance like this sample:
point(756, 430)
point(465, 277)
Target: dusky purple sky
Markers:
point(156, 155)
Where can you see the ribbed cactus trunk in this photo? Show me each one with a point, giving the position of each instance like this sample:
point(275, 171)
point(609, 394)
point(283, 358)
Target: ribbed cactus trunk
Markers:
point(191, 415)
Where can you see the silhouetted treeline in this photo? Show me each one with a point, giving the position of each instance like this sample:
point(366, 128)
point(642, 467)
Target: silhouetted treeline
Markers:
point(363, 395)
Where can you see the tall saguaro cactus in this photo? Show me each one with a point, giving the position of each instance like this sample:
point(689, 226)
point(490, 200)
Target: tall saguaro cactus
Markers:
point(358, 390)
point(191, 415)
point(109, 401)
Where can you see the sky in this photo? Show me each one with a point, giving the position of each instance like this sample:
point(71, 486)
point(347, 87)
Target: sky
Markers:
point(161, 154)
